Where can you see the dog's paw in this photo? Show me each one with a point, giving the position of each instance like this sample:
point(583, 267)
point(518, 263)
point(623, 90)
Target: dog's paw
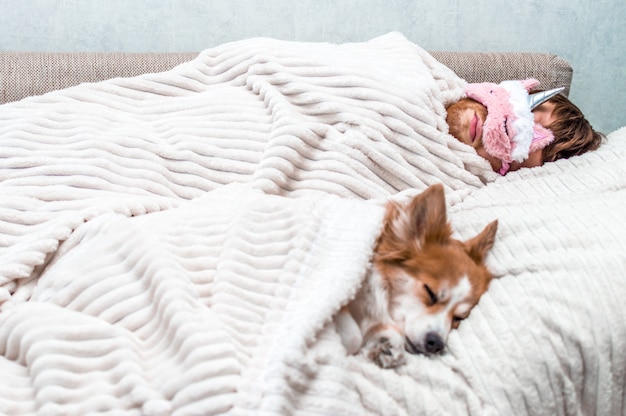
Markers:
point(386, 348)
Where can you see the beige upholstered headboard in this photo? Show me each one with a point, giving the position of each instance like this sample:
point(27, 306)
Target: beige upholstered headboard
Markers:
point(23, 74)
point(551, 70)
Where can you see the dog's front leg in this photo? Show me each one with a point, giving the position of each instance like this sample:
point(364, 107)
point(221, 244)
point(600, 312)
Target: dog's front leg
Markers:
point(384, 344)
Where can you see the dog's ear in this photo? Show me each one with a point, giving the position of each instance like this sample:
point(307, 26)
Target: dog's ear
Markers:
point(478, 246)
point(420, 221)
point(429, 223)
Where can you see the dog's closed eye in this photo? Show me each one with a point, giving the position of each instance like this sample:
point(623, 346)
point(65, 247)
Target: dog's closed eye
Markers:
point(432, 296)
point(456, 320)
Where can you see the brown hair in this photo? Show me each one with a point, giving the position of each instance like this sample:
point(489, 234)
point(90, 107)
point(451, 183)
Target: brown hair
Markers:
point(573, 133)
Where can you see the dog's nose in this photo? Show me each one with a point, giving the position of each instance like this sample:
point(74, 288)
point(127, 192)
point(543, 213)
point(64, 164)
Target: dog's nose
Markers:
point(433, 343)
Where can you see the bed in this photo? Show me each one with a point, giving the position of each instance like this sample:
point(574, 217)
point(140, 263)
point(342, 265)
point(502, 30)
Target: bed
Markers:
point(178, 230)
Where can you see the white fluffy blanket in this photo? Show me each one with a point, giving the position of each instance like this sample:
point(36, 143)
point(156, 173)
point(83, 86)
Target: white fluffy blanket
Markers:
point(358, 120)
point(132, 281)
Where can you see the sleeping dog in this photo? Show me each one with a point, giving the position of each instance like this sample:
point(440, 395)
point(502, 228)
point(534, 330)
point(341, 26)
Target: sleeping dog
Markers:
point(421, 285)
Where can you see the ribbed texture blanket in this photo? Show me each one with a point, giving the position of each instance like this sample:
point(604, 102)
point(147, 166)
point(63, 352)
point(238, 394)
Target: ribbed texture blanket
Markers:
point(177, 243)
point(203, 309)
point(358, 120)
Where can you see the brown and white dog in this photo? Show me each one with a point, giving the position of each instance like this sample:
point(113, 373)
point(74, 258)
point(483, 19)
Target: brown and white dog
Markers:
point(422, 284)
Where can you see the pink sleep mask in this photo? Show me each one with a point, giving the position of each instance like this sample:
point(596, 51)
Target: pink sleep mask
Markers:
point(510, 132)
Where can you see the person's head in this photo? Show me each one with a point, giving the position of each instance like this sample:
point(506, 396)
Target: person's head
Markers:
point(573, 135)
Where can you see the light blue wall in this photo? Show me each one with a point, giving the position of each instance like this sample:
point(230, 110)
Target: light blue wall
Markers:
point(590, 34)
